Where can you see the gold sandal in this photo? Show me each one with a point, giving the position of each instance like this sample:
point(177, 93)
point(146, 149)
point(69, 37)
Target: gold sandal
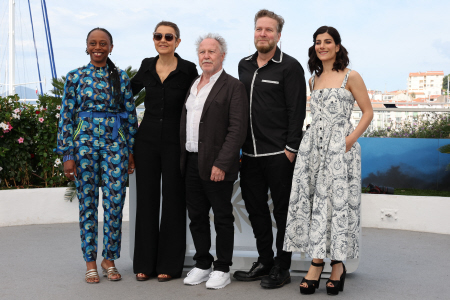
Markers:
point(92, 273)
point(164, 277)
point(111, 271)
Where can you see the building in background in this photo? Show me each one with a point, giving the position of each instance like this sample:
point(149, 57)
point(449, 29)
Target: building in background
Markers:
point(426, 85)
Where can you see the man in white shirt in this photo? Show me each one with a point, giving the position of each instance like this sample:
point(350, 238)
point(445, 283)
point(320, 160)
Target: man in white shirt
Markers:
point(213, 128)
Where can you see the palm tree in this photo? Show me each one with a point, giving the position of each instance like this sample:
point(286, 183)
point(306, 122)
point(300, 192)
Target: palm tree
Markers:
point(139, 98)
point(58, 86)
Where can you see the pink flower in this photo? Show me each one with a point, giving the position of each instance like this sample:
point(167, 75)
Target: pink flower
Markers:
point(17, 110)
point(41, 120)
point(20, 140)
point(9, 127)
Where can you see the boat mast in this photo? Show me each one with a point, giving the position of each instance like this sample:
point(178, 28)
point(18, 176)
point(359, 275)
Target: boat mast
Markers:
point(12, 50)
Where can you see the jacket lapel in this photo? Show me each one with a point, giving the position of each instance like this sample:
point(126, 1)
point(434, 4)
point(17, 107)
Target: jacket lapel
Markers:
point(214, 91)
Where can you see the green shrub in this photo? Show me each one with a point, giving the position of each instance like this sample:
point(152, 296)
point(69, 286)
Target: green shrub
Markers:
point(27, 139)
point(425, 125)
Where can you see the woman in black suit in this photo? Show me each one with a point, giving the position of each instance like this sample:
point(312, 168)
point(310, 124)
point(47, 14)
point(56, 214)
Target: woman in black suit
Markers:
point(159, 249)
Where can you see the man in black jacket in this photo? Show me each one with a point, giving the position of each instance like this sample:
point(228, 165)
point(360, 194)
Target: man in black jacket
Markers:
point(276, 89)
point(214, 123)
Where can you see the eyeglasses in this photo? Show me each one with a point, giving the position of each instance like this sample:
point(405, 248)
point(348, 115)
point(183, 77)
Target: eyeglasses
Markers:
point(168, 36)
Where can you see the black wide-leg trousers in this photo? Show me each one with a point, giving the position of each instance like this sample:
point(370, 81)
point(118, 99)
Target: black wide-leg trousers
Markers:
point(160, 245)
point(258, 174)
point(201, 196)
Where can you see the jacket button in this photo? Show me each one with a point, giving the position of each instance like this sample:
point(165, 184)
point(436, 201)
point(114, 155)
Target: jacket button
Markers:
point(160, 120)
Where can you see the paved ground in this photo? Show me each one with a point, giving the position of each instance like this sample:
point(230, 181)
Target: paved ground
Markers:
point(45, 262)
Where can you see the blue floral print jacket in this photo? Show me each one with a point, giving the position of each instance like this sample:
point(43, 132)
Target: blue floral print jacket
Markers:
point(87, 89)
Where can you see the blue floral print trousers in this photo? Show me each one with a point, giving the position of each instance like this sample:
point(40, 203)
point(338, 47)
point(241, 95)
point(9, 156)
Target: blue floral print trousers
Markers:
point(101, 160)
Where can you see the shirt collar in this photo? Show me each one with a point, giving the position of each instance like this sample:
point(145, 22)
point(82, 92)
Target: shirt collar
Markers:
point(92, 67)
point(214, 77)
point(181, 65)
point(277, 57)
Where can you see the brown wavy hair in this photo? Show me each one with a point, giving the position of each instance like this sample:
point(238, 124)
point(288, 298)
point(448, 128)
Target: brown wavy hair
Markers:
point(342, 60)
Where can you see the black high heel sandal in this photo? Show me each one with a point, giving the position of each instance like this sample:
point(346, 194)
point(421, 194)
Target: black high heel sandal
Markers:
point(338, 285)
point(312, 284)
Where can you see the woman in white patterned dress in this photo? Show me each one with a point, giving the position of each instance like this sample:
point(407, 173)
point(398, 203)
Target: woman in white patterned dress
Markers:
point(324, 207)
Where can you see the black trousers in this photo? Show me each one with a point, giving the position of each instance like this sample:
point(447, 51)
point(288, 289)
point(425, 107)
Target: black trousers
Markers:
point(258, 174)
point(201, 196)
point(160, 246)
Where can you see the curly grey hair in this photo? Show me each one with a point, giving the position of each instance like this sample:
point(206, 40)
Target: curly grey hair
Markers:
point(214, 36)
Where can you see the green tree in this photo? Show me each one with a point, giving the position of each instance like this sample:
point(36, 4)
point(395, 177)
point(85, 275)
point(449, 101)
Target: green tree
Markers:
point(445, 83)
point(58, 86)
point(139, 98)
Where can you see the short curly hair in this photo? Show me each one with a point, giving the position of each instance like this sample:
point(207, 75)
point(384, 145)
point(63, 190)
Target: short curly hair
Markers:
point(214, 36)
point(267, 13)
point(342, 60)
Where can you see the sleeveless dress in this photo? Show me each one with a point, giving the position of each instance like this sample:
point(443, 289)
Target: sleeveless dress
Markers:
point(324, 206)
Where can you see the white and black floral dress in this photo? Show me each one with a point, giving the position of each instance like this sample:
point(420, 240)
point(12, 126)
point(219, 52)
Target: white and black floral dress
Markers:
point(324, 207)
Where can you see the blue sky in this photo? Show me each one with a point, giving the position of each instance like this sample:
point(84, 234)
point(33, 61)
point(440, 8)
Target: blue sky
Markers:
point(386, 39)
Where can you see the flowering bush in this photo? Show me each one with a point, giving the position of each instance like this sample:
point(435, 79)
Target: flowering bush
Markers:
point(27, 139)
point(426, 125)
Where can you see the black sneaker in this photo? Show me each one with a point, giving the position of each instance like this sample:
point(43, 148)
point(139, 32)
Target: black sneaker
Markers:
point(277, 278)
point(257, 272)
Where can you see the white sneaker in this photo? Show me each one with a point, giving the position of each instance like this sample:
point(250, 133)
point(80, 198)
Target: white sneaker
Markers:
point(197, 276)
point(218, 280)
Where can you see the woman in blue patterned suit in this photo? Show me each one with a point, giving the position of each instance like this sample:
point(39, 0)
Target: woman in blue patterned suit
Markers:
point(95, 136)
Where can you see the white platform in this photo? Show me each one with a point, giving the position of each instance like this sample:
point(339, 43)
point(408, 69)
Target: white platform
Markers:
point(244, 253)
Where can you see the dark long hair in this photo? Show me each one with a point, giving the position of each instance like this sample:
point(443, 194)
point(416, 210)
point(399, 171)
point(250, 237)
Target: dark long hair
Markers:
point(114, 77)
point(342, 60)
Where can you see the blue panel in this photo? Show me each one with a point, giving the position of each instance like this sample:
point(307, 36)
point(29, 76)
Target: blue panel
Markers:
point(405, 163)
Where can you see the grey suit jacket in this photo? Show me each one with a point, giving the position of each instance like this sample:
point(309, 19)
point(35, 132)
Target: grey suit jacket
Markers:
point(222, 128)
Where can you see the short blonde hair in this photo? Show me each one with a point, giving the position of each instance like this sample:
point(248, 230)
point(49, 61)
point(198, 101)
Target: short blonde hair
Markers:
point(267, 13)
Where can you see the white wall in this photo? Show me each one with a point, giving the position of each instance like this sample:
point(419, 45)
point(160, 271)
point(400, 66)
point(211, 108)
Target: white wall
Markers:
point(42, 206)
point(416, 213)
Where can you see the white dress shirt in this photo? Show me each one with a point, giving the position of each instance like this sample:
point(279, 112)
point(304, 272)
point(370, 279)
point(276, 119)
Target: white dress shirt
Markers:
point(194, 107)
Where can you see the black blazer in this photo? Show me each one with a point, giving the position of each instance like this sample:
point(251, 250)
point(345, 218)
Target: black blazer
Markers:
point(222, 129)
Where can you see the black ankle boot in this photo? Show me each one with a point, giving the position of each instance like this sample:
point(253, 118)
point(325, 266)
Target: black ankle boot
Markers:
point(277, 278)
point(257, 272)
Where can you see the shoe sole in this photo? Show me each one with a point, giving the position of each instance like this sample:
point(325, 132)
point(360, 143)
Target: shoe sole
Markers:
point(220, 287)
point(197, 282)
point(249, 279)
point(288, 280)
